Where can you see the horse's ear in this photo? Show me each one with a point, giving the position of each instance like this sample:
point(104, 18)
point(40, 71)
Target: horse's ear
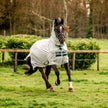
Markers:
point(62, 21)
point(59, 21)
point(55, 21)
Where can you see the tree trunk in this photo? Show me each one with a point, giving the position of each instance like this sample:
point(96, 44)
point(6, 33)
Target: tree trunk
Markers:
point(10, 22)
point(65, 17)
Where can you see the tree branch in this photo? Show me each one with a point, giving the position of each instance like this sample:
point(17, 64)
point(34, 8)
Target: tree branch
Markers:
point(42, 17)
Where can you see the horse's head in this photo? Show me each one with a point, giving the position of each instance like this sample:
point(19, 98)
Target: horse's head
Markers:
point(59, 30)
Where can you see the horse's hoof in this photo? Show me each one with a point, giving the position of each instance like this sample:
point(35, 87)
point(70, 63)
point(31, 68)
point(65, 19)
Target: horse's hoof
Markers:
point(71, 90)
point(57, 83)
point(51, 89)
point(27, 73)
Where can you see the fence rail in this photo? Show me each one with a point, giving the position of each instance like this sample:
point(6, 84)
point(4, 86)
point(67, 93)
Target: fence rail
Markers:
point(70, 51)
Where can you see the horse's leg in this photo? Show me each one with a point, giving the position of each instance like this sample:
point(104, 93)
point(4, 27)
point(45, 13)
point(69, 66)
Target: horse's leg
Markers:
point(48, 85)
point(57, 74)
point(47, 71)
point(69, 76)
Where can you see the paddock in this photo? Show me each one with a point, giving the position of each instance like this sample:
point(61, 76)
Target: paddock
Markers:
point(18, 90)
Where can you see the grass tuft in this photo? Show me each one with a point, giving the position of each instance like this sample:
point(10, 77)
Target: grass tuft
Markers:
point(103, 73)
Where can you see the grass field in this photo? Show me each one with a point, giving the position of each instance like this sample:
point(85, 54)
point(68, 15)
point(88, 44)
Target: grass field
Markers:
point(90, 87)
point(20, 91)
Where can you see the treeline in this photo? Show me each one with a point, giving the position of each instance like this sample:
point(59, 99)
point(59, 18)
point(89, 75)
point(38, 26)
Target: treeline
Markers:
point(86, 18)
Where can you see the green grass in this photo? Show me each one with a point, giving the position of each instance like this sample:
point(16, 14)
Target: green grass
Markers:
point(20, 91)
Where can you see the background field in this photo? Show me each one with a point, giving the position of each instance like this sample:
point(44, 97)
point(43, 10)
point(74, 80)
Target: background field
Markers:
point(90, 87)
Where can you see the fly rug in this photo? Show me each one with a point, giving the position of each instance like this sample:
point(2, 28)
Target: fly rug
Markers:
point(48, 53)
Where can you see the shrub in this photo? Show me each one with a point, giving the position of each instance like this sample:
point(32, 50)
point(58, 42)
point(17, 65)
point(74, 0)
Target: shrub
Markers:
point(2, 42)
point(20, 42)
point(83, 60)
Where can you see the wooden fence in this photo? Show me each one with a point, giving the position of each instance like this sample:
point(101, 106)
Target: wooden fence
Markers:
point(70, 51)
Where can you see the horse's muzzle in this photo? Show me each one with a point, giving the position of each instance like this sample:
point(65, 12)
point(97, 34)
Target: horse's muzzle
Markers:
point(61, 39)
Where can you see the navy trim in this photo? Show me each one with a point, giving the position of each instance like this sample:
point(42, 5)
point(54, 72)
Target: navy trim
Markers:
point(63, 53)
point(58, 55)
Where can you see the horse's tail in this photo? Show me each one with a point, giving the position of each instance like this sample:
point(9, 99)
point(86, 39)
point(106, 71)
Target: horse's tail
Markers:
point(28, 67)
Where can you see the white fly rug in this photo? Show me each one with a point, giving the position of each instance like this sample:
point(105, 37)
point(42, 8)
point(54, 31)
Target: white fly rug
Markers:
point(48, 52)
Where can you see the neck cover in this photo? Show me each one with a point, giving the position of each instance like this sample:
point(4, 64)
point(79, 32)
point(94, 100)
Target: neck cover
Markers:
point(53, 37)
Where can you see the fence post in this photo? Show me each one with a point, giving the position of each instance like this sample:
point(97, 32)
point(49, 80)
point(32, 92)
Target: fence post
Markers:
point(97, 61)
point(15, 62)
point(73, 63)
point(3, 56)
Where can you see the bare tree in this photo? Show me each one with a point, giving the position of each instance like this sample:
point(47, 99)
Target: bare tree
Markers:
point(84, 17)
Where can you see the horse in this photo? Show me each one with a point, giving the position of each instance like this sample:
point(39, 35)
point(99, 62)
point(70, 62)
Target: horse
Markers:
point(48, 53)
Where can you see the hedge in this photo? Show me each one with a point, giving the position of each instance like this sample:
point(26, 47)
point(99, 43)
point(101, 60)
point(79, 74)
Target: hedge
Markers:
point(83, 60)
point(2, 42)
point(20, 42)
